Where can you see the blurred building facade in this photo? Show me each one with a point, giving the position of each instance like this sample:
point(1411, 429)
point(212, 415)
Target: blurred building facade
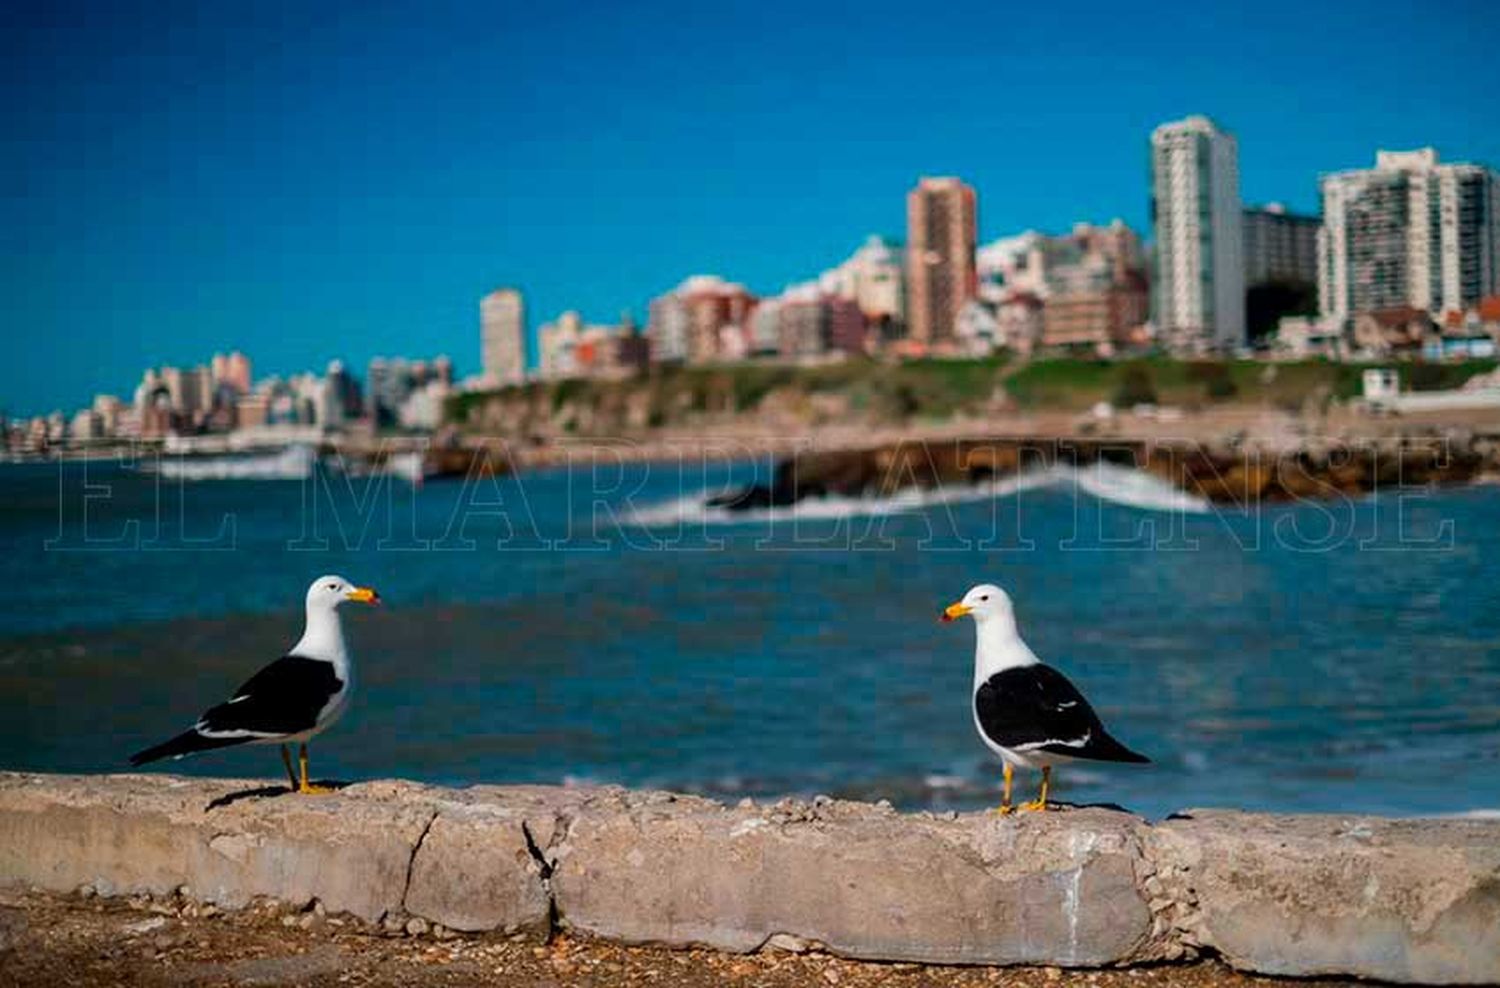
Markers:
point(1086, 289)
point(570, 348)
point(872, 279)
point(1199, 274)
point(703, 320)
point(1410, 233)
point(1280, 245)
point(942, 225)
point(503, 339)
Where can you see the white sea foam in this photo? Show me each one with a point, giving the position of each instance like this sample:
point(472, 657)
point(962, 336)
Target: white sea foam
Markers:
point(1105, 481)
point(292, 463)
point(1134, 488)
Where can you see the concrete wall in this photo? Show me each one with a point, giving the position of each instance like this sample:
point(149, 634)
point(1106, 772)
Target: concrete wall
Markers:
point(1412, 901)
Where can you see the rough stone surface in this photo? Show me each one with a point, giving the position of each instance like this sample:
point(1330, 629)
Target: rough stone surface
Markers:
point(1409, 901)
point(480, 865)
point(156, 834)
point(1399, 900)
point(861, 881)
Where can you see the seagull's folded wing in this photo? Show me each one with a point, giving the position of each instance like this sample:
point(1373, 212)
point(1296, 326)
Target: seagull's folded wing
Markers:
point(1036, 708)
point(285, 697)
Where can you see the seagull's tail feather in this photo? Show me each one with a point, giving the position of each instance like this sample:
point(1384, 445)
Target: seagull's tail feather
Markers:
point(1107, 749)
point(1134, 757)
point(183, 744)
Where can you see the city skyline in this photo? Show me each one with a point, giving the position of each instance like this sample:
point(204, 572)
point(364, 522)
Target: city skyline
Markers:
point(165, 248)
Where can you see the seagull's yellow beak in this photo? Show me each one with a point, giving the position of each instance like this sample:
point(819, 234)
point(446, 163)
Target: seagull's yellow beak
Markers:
point(363, 595)
point(954, 612)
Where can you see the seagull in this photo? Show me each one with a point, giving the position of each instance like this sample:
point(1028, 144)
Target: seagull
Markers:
point(294, 698)
point(1027, 712)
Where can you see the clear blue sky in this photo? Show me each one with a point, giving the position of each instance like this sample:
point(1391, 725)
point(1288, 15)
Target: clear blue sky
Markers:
point(322, 180)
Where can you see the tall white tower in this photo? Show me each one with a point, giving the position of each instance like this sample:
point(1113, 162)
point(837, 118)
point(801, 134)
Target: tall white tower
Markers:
point(1199, 294)
point(502, 336)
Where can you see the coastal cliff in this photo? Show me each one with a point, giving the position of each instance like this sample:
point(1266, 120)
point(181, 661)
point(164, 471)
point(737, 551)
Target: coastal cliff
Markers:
point(771, 398)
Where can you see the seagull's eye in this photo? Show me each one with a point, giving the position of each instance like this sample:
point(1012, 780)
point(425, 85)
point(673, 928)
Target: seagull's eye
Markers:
point(985, 597)
point(333, 586)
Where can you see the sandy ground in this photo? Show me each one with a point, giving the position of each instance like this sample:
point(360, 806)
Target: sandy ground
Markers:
point(54, 941)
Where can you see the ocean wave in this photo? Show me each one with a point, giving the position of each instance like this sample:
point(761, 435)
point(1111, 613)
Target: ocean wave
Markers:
point(292, 463)
point(1105, 481)
point(1133, 488)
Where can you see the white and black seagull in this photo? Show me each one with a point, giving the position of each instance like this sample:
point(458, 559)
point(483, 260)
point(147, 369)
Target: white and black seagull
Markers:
point(1026, 712)
point(292, 699)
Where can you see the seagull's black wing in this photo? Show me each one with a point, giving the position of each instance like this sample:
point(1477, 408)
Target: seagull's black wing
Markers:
point(1035, 708)
point(283, 698)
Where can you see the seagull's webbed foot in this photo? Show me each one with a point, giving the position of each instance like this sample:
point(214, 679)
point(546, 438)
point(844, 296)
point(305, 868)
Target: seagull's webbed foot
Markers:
point(304, 787)
point(1039, 805)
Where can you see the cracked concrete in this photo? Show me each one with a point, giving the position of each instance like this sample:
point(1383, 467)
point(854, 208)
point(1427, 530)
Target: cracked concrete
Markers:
point(1414, 901)
point(411, 862)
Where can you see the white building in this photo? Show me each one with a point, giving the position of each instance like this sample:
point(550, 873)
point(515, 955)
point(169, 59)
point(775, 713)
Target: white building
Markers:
point(1012, 264)
point(978, 330)
point(1409, 232)
point(871, 278)
point(667, 324)
point(1301, 337)
point(1381, 383)
point(86, 426)
point(765, 328)
point(557, 345)
point(1199, 287)
point(423, 408)
point(502, 322)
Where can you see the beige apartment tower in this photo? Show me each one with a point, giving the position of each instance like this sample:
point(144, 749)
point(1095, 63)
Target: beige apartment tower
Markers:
point(502, 337)
point(942, 225)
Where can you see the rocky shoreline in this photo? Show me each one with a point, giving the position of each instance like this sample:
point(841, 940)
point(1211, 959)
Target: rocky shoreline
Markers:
point(1228, 472)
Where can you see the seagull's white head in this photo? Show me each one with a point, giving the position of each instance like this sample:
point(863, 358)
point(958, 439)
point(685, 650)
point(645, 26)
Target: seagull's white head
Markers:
point(328, 592)
point(983, 603)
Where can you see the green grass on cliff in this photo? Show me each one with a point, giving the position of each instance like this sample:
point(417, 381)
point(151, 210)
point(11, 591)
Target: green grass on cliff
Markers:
point(896, 392)
point(938, 389)
point(1078, 384)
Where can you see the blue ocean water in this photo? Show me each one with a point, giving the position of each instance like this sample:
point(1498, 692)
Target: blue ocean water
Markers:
point(588, 624)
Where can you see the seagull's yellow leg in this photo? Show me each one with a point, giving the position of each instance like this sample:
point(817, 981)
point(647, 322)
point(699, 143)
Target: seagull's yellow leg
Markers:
point(307, 788)
point(286, 759)
point(1040, 803)
point(1005, 808)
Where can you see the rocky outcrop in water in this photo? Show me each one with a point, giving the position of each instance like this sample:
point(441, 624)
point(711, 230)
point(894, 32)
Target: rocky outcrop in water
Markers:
point(1220, 473)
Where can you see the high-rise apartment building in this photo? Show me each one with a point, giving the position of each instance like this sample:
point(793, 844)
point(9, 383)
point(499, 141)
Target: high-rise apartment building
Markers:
point(942, 224)
point(1199, 283)
point(1280, 246)
point(1409, 232)
point(502, 321)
